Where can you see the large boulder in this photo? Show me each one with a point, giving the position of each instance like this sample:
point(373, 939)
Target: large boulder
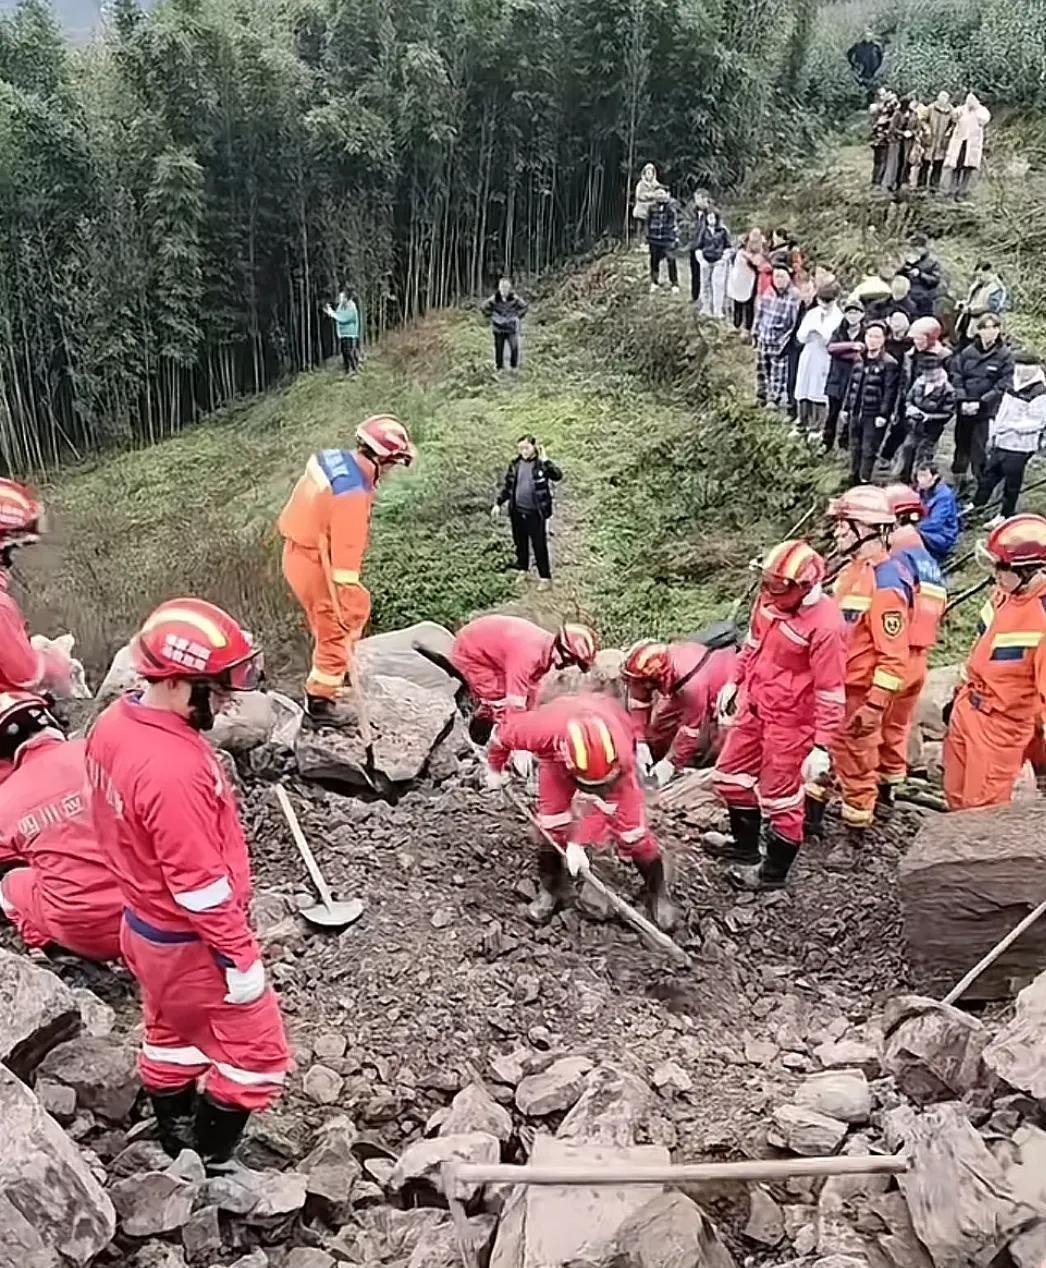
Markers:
point(932, 1050)
point(613, 1108)
point(254, 718)
point(395, 655)
point(102, 1072)
point(37, 1012)
point(52, 1209)
point(557, 1088)
point(421, 1164)
point(964, 884)
point(406, 722)
point(121, 678)
point(938, 689)
point(842, 1094)
point(1017, 1054)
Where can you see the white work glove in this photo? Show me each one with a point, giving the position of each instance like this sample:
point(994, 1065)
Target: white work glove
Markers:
point(726, 704)
point(663, 772)
point(245, 987)
point(816, 766)
point(497, 779)
point(880, 422)
point(495, 512)
point(970, 407)
point(522, 762)
point(577, 859)
point(644, 759)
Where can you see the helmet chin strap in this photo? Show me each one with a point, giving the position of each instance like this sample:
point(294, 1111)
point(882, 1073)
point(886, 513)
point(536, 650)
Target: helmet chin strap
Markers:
point(201, 711)
point(855, 528)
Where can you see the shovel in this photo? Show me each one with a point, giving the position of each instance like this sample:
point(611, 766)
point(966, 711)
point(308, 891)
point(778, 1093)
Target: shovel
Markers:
point(328, 914)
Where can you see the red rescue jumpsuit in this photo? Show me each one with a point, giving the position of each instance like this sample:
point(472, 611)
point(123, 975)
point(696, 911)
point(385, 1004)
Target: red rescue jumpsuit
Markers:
point(503, 659)
point(997, 714)
point(67, 894)
point(167, 820)
point(566, 811)
point(790, 698)
point(929, 603)
point(678, 722)
point(325, 526)
point(875, 598)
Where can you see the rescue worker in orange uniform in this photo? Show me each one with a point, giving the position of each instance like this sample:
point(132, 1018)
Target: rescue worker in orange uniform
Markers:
point(997, 713)
point(214, 1047)
point(672, 690)
point(930, 596)
point(588, 794)
point(325, 526)
point(874, 593)
point(67, 894)
point(784, 710)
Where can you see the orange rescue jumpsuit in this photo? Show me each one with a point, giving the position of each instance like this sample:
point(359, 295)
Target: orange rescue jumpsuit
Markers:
point(997, 715)
point(325, 526)
point(929, 602)
point(874, 596)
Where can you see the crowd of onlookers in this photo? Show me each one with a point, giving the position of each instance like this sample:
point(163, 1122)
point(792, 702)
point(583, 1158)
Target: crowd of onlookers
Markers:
point(935, 145)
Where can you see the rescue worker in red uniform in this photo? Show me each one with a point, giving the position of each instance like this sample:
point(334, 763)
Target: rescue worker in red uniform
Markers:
point(214, 1046)
point(67, 894)
point(874, 593)
point(325, 526)
point(672, 690)
point(503, 659)
point(997, 713)
point(588, 794)
point(929, 600)
point(784, 710)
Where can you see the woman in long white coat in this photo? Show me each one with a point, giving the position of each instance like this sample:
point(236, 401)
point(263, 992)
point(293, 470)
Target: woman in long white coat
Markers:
point(815, 334)
point(966, 148)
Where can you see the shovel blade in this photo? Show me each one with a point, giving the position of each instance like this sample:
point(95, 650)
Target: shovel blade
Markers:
point(336, 916)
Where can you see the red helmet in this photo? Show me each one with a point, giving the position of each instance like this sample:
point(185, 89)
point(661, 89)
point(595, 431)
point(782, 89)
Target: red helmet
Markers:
point(649, 660)
point(386, 438)
point(1019, 542)
point(589, 751)
point(576, 644)
point(190, 638)
point(21, 515)
point(904, 500)
point(793, 565)
point(865, 504)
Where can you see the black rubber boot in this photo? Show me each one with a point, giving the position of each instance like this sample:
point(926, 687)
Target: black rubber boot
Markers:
point(745, 826)
point(663, 911)
point(772, 872)
point(218, 1132)
point(552, 881)
point(480, 729)
point(175, 1115)
point(813, 824)
point(885, 802)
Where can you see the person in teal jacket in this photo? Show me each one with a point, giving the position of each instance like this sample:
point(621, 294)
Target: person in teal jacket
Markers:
point(346, 318)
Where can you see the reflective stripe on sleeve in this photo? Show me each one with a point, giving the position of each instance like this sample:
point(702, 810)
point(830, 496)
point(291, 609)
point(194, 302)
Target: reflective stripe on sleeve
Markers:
point(556, 821)
point(735, 779)
point(175, 1056)
point(887, 682)
point(516, 702)
point(633, 835)
point(250, 1078)
point(793, 636)
point(206, 899)
point(831, 697)
point(325, 680)
point(345, 577)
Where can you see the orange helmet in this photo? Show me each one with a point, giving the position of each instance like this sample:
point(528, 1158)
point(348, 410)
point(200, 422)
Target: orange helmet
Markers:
point(577, 645)
point(387, 439)
point(647, 659)
point(589, 751)
point(190, 638)
point(904, 500)
point(792, 565)
point(23, 714)
point(1019, 542)
point(21, 515)
point(865, 504)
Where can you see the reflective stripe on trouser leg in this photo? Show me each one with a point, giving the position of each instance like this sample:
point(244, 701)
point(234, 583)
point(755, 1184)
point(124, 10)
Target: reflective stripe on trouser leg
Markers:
point(856, 764)
point(781, 794)
point(737, 769)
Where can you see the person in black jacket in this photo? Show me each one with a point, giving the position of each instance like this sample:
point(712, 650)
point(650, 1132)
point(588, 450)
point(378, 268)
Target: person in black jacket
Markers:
point(505, 310)
point(845, 348)
point(527, 491)
point(662, 234)
point(870, 402)
point(982, 374)
point(923, 270)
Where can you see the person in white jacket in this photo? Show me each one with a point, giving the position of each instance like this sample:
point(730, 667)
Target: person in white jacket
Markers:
point(1015, 434)
point(815, 334)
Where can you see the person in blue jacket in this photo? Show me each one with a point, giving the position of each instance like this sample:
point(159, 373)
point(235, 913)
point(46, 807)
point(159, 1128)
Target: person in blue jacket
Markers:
point(940, 526)
point(346, 318)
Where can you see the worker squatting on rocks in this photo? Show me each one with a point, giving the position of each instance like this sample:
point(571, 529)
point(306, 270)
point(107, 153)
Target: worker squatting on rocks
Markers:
point(588, 794)
point(874, 594)
point(672, 690)
point(325, 526)
point(167, 821)
point(996, 716)
point(66, 892)
point(784, 710)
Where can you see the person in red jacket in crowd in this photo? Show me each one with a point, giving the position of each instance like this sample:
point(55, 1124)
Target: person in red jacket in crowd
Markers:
point(588, 793)
point(166, 817)
point(672, 690)
point(67, 894)
point(784, 710)
point(503, 659)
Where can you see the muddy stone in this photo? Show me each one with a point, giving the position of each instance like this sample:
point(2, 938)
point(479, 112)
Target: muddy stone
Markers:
point(57, 1100)
point(806, 1132)
point(421, 1162)
point(932, 1050)
point(765, 1218)
point(438, 1245)
point(202, 1235)
point(322, 1085)
point(842, 1094)
point(671, 1078)
point(152, 1203)
point(307, 1257)
point(558, 1088)
point(850, 1053)
point(329, 1047)
point(1017, 1054)
point(102, 1072)
point(37, 1012)
point(474, 1110)
point(612, 1110)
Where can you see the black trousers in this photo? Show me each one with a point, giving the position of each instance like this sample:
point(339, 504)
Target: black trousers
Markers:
point(350, 354)
point(501, 338)
point(1008, 466)
point(920, 446)
point(878, 163)
point(936, 171)
point(657, 254)
point(971, 440)
point(744, 313)
point(831, 423)
point(529, 531)
point(865, 439)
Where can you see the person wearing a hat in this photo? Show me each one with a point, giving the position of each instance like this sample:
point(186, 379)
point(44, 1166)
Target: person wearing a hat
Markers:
point(844, 349)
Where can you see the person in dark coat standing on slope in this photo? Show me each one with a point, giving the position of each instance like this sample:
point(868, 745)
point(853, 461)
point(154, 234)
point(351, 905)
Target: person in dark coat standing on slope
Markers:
point(662, 234)
point(982, 374)
point(844, 348)
point(506, 311)
point(527, 491)
point(923, 270)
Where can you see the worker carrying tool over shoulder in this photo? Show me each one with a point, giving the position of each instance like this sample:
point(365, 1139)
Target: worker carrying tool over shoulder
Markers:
point(874, 593)
point(588, 793)
point(996, 716)
point(325, 526)
point(503, 659)
point(168, 824)
point(929, 600)
point(672, 690)
point(784, 710)
point(67, 894)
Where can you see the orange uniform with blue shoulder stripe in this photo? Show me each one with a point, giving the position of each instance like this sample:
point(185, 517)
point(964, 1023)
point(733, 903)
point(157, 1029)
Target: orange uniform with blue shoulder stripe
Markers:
point(1007, 667)
point(931, 594)
point(875, 600)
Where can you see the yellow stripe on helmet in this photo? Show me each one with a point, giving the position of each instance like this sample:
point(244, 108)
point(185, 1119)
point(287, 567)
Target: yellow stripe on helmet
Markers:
point(607, 740)
point(187, 616)
point(577, 742)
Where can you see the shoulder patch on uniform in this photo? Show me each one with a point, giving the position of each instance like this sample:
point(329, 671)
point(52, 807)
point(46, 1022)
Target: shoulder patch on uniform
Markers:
point(341, 469)
point(893, 623)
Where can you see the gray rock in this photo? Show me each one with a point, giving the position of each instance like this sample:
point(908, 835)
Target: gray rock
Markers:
point(256, 1259)
point(250, 720)
point(330, 1046)
point(475, 1110)
point(279, 1193)
point(438, 1246)
point(899, 1243)
point(850, 1053)
point(234, 1194)
point(50, 1203)
point(332, 1145)
point(159, 1255)
point(202, 1235)
point(322, 1085)
point(188, 1166)
point(842, 1261)
point(670, 1078)
point(442, 917)
point(307, 1257)
point(842, 1094)
point(613, 1109)
point(37, 1012)
point(1023, 1160)
point(760, 1051)
point(394, 654)
point(421, 1162)
point(557, 1088)
point(932, 1050)
point(1028, 1249)
point(1017, 1054)
point(510, 1067)
point(98, 1018)
point(152, 1203)
point(329, 1192)
point(56, 1099)
point(140, 1155)
point(765, 1218)
point(806, 1132)
point(102, 1072)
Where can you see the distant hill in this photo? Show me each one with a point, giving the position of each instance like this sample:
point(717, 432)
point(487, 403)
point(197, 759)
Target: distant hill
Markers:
point(79, 18)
